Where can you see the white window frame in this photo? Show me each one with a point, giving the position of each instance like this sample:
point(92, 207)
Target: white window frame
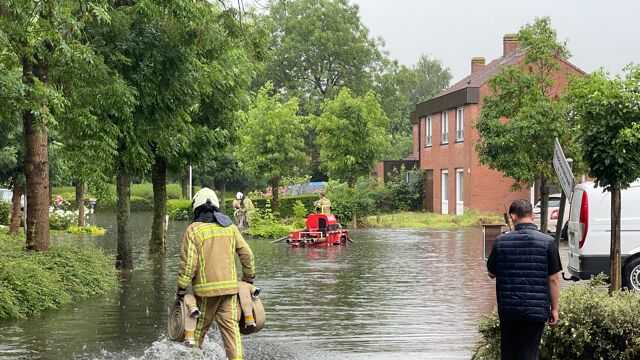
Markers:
point(459, 191)
point(459, 124)
point(428, 132)
point(444, 191)
point(444, 127)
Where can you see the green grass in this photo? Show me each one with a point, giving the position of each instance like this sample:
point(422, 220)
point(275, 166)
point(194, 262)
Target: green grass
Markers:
point(33, 282)
point(423, 220)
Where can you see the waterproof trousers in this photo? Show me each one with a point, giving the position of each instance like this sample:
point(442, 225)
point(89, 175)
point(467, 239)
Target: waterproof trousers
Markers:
point(224, 310)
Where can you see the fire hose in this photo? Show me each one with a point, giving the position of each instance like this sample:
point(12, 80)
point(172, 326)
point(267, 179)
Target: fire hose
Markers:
point(183, 315)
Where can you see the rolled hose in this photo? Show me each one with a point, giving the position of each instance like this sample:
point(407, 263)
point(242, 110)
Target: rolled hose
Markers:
point(247, 298)
point(177, 317)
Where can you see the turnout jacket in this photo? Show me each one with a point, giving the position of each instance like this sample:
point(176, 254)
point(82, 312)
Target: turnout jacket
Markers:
point(208, 259)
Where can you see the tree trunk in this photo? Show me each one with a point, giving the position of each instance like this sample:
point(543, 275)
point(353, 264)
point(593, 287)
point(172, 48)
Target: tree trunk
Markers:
point(544, 204)
point(124, 256)
point(184, 183)
point(275, 195)
point(80, 202)
point(159, 181)
point(616, 264)
point(36, 162)
point(16, 206)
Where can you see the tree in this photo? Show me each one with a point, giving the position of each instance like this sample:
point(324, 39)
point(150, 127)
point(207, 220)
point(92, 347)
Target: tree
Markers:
point(352, 135)
point(319, 47)
point(271, 140)
point(40, 36)
point(607, 112)
point(522, 147)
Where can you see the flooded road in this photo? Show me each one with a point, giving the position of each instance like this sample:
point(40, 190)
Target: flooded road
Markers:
point(405, 294)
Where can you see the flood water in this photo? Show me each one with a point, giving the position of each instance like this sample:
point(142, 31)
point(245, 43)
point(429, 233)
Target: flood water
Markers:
point(403, 294)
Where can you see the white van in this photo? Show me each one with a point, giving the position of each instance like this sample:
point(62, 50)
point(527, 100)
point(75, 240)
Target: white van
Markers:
point(590, 233)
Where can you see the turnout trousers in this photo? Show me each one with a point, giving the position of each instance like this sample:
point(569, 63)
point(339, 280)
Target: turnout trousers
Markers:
point(224, 310)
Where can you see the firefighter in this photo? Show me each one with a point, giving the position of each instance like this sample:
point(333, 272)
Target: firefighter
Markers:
point(323, 205)
point(243, 207)
point(208, 263)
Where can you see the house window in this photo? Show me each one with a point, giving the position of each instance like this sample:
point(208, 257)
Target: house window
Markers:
point(427, 141)
point(460, 124)
point(444, 127)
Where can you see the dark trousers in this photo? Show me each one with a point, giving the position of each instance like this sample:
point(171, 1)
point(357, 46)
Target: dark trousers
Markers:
point(520, 339)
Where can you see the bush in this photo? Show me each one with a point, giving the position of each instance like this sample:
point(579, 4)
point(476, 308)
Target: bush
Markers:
point(593, 325)
point(264, 224)
point(32, 282)
point(5, 212)
point(358, 200)
point(300, 211)
point(87, 230)
point(406, 189)
point(179, 209)
point(286, 204)
point(60, 219)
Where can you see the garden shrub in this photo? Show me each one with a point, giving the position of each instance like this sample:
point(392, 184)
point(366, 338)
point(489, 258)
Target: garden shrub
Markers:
point(265, 225)
point(61, 219)
point(32, 282)
point(406, 189)
point(593, 325)
point(5, 212)
point(87, 230)
point(347, 201)
point(179, 209)
point(300, 211)
point(286, 204)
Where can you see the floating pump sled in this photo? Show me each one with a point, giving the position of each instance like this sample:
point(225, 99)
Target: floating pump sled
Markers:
point(321, 230)
point(184, 314)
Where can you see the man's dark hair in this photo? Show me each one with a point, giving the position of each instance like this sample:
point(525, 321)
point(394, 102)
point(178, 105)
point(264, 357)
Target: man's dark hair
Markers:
point(521, 208)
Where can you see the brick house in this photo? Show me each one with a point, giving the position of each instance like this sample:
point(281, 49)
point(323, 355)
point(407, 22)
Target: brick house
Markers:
point(444, 140)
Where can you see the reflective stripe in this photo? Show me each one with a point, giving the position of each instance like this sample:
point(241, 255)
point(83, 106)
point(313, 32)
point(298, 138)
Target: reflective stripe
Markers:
point(189, 266)
point(236, 328)
point(201, 321)
point(184, 281)
point(228, 284)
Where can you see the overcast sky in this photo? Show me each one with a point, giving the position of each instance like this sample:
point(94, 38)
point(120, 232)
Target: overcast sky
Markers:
point(598, 33)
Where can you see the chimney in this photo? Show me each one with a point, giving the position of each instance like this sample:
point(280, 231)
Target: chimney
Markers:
point(477, 64)
point(510, 44)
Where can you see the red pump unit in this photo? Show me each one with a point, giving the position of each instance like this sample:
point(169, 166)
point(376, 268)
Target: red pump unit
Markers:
point(321, 230)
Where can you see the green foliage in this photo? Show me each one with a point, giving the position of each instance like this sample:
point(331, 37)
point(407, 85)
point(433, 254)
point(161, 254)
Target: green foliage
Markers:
point(401, 88)
point(34, 282)
point(406, 189)
point(593, 325)
point(265, 225)
point(271, 140)
point(426, 220)
point(319, 47)
point(351, 135)
point(522, 147)
point(87, 230)
point(5, 212)
point(300, 211)
point(180, 209)
point(606, 111)
point(347, 201)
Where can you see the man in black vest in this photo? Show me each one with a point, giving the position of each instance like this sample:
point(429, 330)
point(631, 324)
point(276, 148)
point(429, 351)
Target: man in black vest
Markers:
point(526, 266)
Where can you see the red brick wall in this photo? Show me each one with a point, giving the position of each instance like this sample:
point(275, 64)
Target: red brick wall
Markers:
point(484, 189)
point(416, 147)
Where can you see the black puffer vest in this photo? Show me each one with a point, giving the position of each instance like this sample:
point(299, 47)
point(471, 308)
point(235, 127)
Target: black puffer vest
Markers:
point(522, 275)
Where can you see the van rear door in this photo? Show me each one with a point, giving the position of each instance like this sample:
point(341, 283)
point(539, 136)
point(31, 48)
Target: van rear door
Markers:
point(575, 230)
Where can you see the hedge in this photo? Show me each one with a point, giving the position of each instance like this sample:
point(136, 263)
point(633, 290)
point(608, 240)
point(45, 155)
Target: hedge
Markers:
point(5, 212)
point(181, 209)
point(593, 325)
point(32, 282)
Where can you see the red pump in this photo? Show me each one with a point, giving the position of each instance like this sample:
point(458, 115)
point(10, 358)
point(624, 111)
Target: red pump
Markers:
point(321, 230)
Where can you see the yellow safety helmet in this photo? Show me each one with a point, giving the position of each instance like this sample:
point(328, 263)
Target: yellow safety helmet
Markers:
point(204, 196)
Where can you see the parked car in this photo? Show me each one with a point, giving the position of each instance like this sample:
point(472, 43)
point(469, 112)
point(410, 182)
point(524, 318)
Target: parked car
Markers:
point(552, 213)
point(590, 233)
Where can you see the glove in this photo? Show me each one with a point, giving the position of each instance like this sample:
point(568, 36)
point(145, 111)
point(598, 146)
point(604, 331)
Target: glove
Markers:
point(248, 279)
point(181, 293)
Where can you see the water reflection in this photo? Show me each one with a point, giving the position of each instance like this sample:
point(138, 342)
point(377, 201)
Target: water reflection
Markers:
point(393, 293)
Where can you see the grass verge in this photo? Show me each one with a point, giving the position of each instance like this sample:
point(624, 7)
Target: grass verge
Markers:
point(423, 220)
point(34, 282)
